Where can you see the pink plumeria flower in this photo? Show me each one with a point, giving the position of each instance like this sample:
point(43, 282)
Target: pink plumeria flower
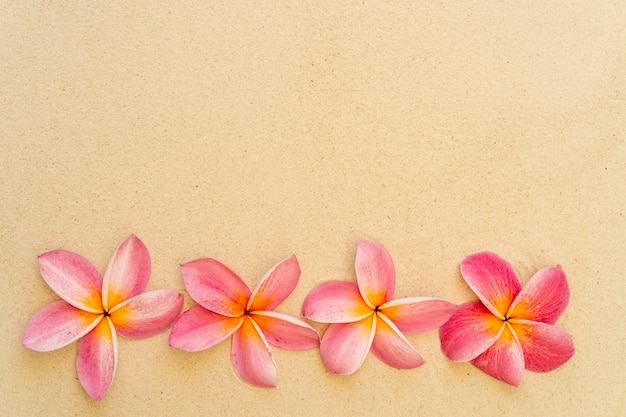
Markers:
point(364, 316)
point(227, 307)
point(510, 328)
point(95, 310)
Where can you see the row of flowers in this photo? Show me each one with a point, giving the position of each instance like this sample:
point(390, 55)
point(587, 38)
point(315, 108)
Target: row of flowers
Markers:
point(508, 329)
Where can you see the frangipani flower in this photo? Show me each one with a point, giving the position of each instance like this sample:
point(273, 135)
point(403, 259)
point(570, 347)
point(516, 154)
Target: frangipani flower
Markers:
point(227, 307)
point(364, 316)
point(95, 310)
point(510, 328)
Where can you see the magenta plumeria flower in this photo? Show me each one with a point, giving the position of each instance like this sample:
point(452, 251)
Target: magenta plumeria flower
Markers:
point(510, 328)
point(364, 316)
point(227, 307)
point(95, 310)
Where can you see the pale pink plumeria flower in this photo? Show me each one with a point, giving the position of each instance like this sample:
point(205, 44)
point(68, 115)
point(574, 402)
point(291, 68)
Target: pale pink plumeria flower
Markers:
point(364, 316)
point(510, 328)
point(95, 310)
point(227, 307)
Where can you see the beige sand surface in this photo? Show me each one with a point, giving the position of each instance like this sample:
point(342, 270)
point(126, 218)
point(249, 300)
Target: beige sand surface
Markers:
point(250, 131)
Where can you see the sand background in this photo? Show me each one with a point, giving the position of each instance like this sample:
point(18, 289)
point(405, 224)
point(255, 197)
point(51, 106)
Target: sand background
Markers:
point(253, 130)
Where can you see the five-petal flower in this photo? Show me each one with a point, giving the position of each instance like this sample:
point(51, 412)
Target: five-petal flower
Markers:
point(227, 307)
point(363, 315)
point(510, 328)
point(95, 310)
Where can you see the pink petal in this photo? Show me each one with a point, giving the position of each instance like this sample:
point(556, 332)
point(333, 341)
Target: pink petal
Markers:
point(545, 347)
point(375, 273)
point(127, 274)
point(215, 287)
point(97, 359)
point(276, 285)
point(504, 360)
point(492, 279)
point(285, 331)
point(469, 332)
point(418, 314)
point(251, 356)
point(56, 325)
point(344, 346)
point(391, 347)
point(543, 298)
point(73, 278)
point(146, 314)
point(198, 329)
point(335, 302)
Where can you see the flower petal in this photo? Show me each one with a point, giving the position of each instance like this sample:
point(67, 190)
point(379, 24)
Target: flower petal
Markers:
point(215, 287)
point(56, 325)
point(344, 346)
point(73, 278)
point(251, 355)
point(127, 273)
point(391, 347)
point(504, 360)
point(375, 273)
point(492, 279)
point(335, 302)
point(545, 347)
point(469, 332)
point(418, 314)
point(97, 359)
point(543, 298)
point(146, 314)
point(198, 329)
point(276, 285)
point(285, 331)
